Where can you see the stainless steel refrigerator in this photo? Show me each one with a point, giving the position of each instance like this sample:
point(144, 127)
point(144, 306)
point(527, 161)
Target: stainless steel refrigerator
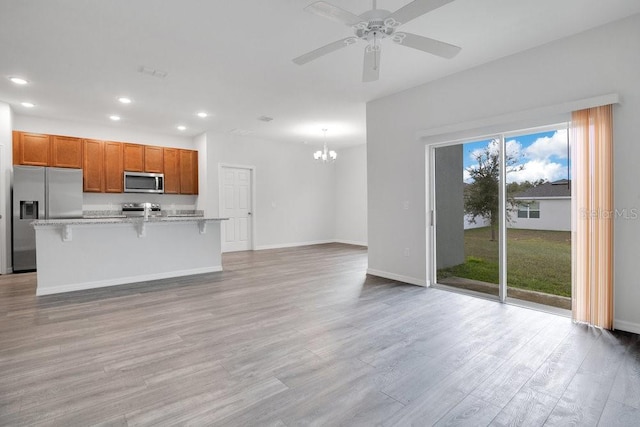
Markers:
point(41, 193)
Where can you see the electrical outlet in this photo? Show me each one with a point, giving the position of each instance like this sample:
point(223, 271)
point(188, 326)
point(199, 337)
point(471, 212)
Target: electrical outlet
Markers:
point(405, 205)
point(406, 251)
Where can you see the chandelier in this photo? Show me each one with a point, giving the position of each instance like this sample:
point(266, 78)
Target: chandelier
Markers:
point(324, 155)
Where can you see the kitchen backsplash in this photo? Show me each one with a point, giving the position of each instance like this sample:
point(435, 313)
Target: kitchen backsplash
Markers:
point(113, 202)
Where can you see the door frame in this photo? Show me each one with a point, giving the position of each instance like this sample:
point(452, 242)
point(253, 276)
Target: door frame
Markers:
point(252, 171)
point(430, 195)
point(5, 218)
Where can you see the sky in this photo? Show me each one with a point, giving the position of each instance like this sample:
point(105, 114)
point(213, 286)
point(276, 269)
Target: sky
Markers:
point(542, 156)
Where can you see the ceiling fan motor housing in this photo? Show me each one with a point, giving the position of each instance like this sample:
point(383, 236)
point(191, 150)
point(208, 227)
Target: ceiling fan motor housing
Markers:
point(366, 31)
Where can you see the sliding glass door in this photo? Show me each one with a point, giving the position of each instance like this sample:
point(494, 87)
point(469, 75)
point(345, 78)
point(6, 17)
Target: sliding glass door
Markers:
point(467, 215)
point(502, 216)
point(538, 232)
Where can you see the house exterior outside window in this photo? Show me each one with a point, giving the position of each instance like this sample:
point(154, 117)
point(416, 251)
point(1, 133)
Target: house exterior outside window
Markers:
point(546, 206)
point(529, 210)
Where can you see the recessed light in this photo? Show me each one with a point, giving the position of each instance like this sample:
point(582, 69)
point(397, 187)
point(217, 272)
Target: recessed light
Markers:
point(114, 118)
point(18, 80)
point(202, 114)
point(124, 100)
point(181, 127)
point(28, 104)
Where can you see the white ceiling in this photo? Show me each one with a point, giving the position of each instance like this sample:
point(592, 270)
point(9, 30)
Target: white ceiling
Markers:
point(232, 58)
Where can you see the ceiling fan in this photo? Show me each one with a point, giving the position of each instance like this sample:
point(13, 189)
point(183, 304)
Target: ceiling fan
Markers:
point(375, 25)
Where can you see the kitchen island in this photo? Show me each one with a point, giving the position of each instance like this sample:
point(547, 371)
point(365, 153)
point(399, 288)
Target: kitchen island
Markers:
point(76, 254)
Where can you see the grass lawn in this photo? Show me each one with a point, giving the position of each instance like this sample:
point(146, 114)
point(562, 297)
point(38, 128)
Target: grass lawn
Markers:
point(536, 260)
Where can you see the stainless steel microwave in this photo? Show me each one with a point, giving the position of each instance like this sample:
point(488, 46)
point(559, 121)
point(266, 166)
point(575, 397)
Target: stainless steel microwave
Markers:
point(142, 182)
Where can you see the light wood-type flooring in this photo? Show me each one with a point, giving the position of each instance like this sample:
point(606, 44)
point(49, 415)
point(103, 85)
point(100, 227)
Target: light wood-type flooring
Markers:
point(302, 336)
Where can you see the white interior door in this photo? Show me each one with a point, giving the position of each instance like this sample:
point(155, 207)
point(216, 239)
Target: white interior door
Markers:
point(4, 237)
point(236, 205)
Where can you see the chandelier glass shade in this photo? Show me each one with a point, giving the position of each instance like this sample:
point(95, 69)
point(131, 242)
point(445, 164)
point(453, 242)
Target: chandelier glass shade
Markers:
point(325, 155)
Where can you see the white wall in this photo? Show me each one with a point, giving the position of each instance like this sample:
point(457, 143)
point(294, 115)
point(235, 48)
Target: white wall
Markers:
point(555, 215)
point(6, 156)
point(351, 195)
point(294, 194)
point(601, 61)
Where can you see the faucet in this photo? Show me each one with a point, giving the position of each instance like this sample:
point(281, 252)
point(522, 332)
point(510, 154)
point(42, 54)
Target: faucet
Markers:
point(147, 208)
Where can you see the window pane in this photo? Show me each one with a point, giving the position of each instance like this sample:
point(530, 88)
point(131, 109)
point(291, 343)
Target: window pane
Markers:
point(539, 246)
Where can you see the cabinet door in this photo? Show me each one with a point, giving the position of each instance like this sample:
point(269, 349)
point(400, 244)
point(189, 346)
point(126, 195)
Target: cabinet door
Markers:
point(66, 152)
point(133, 157)
point(113, 167)
point(153, 159)
point(171, 170)
point(31, 149)
point(188, 172)
point(93, 166)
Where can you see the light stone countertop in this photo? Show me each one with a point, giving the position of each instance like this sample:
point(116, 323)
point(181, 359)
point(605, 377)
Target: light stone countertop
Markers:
point(129, 220)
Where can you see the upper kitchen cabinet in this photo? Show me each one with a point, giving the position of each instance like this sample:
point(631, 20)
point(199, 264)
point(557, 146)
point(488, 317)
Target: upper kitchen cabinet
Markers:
point(133, 157)
point(93, 166)
point(153, 159)
point(66, 152)
point(113, 167)
point(171, 170)
point(188, 172)
point(31, 149)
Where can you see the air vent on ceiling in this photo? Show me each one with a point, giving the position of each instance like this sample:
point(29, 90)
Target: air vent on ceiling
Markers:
point(152, 72)
point(241, 132)
point(265, 119)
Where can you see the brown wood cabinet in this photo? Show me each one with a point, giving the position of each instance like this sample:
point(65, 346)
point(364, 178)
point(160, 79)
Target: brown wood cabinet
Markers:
point(153, 159)
point(113, 167)
point(31, 149)
point(133, 157)
point(188, 172)
point(104, 162)
point(171, 160)
point(66, 152)
point(93, 166)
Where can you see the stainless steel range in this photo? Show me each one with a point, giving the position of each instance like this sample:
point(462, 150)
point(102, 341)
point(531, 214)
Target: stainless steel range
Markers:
point(145, 209)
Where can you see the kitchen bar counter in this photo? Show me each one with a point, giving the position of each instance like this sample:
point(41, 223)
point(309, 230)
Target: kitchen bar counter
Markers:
point(85, 253)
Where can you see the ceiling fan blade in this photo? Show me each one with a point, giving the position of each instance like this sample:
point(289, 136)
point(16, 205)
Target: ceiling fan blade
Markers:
point(426, 44)
point(371, 66)
point(415, 9)
point(322, 8)
point(331, 47)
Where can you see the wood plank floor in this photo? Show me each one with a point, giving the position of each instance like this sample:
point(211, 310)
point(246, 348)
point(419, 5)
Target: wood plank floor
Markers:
point(302, 337)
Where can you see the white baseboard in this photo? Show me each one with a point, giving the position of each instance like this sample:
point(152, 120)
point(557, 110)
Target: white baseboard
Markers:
point(315, 242)
point(123, 281)
point(398, 277)
point(293, 245)
point(351, 242)
point(621, 325)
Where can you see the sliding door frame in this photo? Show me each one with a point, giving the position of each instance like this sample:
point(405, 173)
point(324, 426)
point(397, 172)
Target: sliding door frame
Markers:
point(431, 214)
point(430, 200)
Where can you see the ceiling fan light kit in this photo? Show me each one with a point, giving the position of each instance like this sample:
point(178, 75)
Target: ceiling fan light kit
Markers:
point(374, 26)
